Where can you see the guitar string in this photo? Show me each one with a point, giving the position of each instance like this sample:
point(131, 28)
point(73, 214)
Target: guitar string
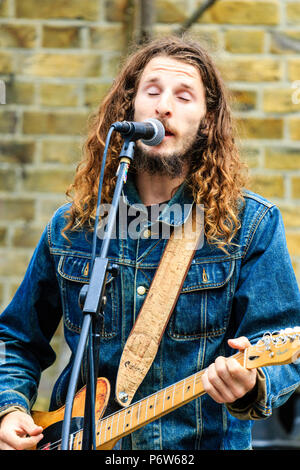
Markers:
point(124, 411)
point(73, 435)
point(176, 388)
point(184, 382)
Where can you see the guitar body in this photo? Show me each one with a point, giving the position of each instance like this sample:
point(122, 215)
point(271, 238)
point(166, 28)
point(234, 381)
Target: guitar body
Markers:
point(51, 421)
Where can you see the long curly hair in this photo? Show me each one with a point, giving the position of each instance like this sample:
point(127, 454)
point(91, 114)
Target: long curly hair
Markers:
point(216, 178)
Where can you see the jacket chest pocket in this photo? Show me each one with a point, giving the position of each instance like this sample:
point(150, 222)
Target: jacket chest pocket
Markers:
point(74, 272)
point(204, 304)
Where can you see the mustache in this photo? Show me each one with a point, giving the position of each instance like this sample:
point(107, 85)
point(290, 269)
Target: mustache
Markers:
point(201, 133)
point(168, 128)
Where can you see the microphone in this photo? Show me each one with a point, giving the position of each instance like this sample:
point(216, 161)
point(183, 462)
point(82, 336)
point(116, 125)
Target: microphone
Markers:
point(150, 131)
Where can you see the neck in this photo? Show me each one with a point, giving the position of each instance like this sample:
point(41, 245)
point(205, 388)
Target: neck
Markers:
point(154, 189)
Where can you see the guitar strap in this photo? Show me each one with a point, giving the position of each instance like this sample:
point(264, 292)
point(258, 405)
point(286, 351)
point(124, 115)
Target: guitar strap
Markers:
point(143, 341)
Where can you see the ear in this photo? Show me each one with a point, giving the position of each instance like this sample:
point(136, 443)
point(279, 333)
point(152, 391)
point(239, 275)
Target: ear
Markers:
point(204, 125)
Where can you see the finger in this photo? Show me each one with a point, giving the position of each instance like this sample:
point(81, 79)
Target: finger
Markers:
point(26, 426)
point(243, 380)
point(215, 387)
point(18, 431)
point(29, 427)
point(240, 343)
point(226, 380)
point(231, 375)
point(222, 370)
point(21, 442)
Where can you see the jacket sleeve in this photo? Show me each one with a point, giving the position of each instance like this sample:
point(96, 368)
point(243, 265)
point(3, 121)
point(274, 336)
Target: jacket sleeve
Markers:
point(267, 299)
point(26, 328)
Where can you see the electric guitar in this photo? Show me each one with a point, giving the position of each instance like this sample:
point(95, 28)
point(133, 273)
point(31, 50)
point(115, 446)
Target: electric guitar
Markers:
point(273, 349)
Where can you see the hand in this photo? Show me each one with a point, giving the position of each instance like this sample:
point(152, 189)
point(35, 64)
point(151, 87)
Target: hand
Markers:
point(226, 380)
point(19, 432)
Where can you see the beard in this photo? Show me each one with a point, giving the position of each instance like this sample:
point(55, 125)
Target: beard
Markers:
point(172, 165)
point(167, 165)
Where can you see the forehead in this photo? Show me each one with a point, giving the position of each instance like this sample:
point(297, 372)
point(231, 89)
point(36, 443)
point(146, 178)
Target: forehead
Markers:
point(161, 66)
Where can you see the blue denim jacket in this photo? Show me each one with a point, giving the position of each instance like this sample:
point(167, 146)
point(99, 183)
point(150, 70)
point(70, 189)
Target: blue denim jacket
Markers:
point(248, 291)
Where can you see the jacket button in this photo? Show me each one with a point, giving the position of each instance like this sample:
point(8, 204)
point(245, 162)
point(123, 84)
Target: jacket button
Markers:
point(141, 290)
point(147, 233)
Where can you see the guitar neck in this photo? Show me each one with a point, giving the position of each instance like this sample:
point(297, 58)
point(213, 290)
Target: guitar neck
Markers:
point(128, 420)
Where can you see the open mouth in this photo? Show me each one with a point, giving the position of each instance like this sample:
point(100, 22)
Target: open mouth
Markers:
point(168, 133)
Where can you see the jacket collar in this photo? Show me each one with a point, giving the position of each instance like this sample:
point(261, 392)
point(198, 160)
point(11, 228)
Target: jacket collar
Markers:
point(175, 212)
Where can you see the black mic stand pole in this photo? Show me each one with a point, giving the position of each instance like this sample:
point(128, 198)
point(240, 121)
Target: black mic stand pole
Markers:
point(92, 297)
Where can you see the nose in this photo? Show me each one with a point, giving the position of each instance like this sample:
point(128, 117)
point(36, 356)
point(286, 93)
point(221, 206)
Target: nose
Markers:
point(164, 107)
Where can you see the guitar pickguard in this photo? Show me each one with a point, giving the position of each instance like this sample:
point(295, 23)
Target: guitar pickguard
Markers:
point(52, 434)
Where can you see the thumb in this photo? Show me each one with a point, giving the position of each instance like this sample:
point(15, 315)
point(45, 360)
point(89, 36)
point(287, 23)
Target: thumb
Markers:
point(30, 427)
point(35, 430)
point(240, 343)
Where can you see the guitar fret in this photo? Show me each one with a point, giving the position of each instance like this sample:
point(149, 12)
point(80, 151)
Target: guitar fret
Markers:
point(77, 441)
point(127, 411)
point(164, 399)
point(131, 413)
point(105, 430)
point(71, 441)
point(146, 409)
point(119, 414)
point(183, 390)
point(111, 426)
point(100, 432)
point(173, 395)
point(124, 420)
point(155, 405)
point(139, 412)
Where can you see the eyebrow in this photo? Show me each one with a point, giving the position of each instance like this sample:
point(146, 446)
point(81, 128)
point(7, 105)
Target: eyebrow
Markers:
point(157, 80)
point(152, 80)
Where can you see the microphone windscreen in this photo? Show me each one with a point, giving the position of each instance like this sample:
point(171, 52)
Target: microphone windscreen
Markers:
point(158, 135)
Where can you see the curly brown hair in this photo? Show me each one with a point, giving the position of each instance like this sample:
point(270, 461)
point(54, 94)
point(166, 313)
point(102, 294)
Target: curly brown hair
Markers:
point(216, 178)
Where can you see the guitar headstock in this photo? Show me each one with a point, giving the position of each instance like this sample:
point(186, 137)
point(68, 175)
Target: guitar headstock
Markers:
point(280, 347)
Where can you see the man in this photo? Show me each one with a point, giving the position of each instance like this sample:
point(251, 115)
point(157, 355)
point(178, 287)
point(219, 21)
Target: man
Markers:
point(240, 284)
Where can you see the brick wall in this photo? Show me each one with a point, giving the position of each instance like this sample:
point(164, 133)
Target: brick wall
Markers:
point(59, 57)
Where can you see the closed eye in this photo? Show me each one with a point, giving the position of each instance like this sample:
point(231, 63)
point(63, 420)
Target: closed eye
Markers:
point(184, 96)
point(153, 90)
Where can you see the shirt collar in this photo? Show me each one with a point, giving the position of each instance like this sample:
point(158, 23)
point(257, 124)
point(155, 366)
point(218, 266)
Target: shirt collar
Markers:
point(175, 212)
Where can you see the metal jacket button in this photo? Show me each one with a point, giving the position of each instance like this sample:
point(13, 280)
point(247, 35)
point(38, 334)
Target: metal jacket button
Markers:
point(141, 290)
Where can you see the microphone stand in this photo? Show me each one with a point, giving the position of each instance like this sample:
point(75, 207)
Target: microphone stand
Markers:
point(92, 298)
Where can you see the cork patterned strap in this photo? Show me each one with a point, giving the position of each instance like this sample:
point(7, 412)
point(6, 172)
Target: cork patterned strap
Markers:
point(143, 342)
